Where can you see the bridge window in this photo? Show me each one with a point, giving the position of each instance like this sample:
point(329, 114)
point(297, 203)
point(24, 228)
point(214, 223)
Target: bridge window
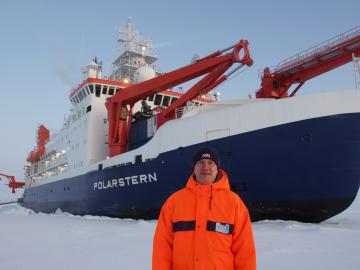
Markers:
point(174, 99)
point(111, 91)
point(166, 101)
point(158, 99)
point(105, 88)
point(151, 98)
point(80, 96)
point(97, 90)
point(83, 92)
point(91, 87)
point(117, 90)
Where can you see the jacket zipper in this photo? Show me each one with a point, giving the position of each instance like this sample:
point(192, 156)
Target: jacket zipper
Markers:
point(210, 198)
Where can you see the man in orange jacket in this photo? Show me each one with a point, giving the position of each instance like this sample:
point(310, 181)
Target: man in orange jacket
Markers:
point(204, 226)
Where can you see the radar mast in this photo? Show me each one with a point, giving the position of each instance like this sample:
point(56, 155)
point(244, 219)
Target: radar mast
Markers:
point(136, 53)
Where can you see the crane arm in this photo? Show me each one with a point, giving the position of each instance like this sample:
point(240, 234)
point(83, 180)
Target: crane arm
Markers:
point(13, 184)
point(214, 65)
point(313, 62)
point(136, 92)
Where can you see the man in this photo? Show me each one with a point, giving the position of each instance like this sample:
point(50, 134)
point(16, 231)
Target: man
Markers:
point(204, 225)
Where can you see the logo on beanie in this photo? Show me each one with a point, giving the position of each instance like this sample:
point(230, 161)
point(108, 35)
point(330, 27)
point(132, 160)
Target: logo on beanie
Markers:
point(206, 153)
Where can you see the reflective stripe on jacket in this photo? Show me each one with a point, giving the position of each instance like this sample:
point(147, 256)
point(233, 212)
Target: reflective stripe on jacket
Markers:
point(204, 227)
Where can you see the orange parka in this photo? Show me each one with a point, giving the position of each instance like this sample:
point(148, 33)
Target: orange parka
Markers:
point(204, 227)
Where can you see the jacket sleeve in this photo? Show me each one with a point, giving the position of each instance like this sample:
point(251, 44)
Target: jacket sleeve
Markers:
point(163, 240)
point(243, 245)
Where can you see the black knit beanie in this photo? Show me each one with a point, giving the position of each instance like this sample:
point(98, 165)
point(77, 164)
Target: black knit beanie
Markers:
point(206, 153)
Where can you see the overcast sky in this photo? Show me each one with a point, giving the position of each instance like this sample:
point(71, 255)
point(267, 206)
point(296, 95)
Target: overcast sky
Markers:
point(44, 45)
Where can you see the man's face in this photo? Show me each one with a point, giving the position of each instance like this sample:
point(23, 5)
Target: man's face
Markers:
point(205, 171)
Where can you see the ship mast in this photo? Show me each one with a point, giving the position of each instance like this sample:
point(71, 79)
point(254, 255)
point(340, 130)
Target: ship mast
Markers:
point(136, 54)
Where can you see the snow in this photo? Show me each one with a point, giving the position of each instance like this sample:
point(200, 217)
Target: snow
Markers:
point(36, 241)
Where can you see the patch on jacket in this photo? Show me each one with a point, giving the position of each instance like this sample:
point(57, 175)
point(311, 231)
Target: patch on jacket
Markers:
point(220, 227)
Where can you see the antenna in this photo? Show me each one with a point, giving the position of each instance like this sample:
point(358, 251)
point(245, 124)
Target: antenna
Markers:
point(133, 40)
point(136, 52)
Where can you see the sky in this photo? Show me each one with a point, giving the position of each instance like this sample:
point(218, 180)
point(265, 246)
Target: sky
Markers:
point(45, 44)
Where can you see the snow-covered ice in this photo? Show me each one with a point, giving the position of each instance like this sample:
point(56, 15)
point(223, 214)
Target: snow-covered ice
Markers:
point(35, 241)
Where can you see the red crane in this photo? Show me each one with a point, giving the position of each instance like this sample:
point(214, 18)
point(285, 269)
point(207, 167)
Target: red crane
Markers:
point(13, 184)
point(311, 63)
point(214, 65)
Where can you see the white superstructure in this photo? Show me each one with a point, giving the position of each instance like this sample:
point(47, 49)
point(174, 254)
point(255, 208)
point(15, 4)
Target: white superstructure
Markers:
point(82, 140)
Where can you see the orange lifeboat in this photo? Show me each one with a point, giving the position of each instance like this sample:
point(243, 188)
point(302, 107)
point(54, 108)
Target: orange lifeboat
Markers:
point(43, 135)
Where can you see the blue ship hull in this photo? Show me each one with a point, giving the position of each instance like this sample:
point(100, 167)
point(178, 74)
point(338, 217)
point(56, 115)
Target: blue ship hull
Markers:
point(307, 171)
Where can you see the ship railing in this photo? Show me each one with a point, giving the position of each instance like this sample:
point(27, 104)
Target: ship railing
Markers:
point(181, 111)
point(50, 170)
point(326, 46)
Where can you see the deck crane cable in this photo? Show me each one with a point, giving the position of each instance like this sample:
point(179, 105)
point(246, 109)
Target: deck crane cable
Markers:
point(233, 74)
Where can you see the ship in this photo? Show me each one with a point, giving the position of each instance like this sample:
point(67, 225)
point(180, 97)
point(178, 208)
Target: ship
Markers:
point(128, 141)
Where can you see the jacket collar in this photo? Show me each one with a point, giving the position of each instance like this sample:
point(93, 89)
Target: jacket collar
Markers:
point(222, 183)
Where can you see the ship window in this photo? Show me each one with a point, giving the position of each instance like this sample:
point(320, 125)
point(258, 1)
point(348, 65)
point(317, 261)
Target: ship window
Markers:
point(87, 90)
point(166, 100)
point(197, 103)
point(158, 99)
point(88, 108)
point(97, 90)
point(80, 96)
point(104, 90)
point(100, 167)
point(83, 92)
point(111, 91)
point(174, 99)
point(117, 90)
point(91, 87)
point(138, 159)
point(151, 98)
point(76, 99)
